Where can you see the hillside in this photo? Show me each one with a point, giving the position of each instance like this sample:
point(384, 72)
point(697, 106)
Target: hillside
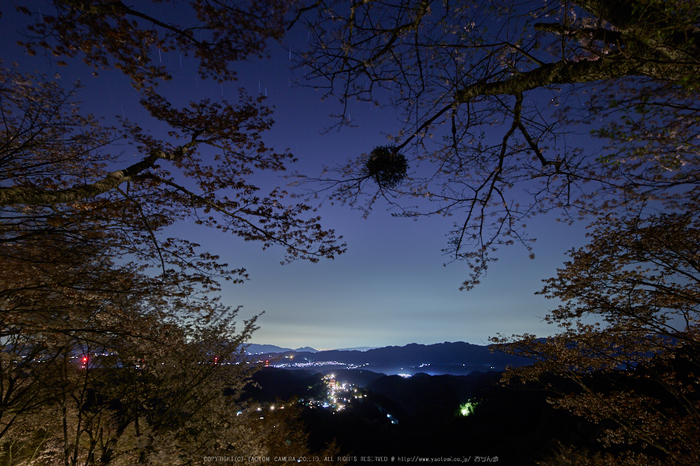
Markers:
point(423, 415)
point(456, 358)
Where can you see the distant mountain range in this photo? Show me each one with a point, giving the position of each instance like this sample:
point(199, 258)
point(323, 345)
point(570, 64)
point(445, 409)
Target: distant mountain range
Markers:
point(456, 358)
point(272, 349)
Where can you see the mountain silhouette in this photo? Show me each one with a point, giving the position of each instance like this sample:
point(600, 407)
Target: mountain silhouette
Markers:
point(457, 358)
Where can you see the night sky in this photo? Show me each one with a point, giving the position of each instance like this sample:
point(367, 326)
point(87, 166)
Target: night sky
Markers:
point(390, 287)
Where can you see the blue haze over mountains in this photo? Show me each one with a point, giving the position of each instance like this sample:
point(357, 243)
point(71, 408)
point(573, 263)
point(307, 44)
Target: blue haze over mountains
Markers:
point(454, 358)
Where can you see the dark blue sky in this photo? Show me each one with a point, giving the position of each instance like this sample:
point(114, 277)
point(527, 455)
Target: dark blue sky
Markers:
point(391, 287)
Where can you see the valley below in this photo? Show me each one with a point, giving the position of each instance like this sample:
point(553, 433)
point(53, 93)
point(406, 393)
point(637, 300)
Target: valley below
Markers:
point(433, 405)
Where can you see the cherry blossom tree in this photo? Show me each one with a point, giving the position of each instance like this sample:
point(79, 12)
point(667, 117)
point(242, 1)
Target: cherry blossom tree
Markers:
point(628, 337)
point(512, 109)
point(109, 321)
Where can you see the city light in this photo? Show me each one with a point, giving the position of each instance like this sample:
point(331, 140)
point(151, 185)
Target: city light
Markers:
point(465, 409)
point(338, 395)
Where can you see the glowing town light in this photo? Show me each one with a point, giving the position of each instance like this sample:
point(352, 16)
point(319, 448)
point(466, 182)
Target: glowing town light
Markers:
point(465, 409)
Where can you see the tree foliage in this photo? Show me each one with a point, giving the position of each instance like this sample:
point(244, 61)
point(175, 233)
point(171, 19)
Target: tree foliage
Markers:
point(500, 100)
point(91, 268)
point(116, 35)
point(119, 362)
point(629, 336)
point(587, 108)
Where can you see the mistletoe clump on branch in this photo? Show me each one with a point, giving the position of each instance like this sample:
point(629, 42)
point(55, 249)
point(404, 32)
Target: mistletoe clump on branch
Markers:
point(386, 166)
point(516, 109)
point(585, 108)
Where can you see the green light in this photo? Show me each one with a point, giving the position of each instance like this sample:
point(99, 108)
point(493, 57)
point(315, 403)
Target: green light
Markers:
point(465, 409)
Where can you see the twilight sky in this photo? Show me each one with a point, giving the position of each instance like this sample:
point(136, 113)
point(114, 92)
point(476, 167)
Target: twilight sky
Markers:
point(391, 287)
